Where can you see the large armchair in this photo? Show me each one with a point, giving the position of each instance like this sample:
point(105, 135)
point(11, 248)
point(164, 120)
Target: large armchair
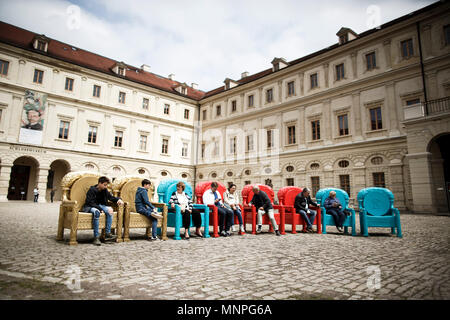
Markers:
point(74, 187)
point(249, 211)
point(327, 219)
point(376, 209)
point(286, 197)
point(174, 219)
point(125, 187)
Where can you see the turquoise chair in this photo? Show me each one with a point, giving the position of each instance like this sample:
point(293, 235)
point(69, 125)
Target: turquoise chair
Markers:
point(376, 209)
point(174, 219)
point(327, 219)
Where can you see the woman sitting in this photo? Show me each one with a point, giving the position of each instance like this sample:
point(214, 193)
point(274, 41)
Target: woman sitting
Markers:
point(180, 198)
point(231, 198)
point(334, 208)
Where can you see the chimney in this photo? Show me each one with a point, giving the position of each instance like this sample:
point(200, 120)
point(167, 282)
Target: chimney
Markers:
point(244, 74)
point(171, 76)
point(145, 67)
point(279, 63)
point(194, 86)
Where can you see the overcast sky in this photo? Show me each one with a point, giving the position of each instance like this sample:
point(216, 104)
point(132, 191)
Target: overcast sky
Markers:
point(201, 41)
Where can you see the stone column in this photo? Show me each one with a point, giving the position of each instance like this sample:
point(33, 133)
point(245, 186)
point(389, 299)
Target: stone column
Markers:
point(301, 128)
point(21, 72)
point(15, 116)
point(427, 47)
point(301, 76)
point(41, 181)
point(327, 127)
point(421, 182)
point(391, 108)
point(432, 85)
point(326, 70)
point(354, 64)
point(387, 53)
point(5, 176)
point(356, 110)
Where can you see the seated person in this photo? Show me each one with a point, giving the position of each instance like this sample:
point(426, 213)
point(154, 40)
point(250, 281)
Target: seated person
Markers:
point(302, 205)
point(231, 198)
point(262, 203)
point(96, 203)
point(144, 207)
point(212, 197)
point(334, 208)
point(180, 198)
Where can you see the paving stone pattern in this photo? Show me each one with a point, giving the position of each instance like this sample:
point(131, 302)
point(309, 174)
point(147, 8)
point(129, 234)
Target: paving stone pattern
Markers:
point(33, 265)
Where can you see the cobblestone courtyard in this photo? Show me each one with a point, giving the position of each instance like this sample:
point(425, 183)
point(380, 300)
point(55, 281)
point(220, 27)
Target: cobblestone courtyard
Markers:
point(33, 265)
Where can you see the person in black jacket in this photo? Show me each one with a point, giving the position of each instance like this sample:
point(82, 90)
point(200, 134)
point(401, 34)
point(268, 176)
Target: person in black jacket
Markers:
point(96, 203)
point(145, 207)
point(302, 206)
point(263, 204)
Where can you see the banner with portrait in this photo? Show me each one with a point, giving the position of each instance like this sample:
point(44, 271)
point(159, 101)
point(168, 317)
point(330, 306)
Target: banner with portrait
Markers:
point(32, 122)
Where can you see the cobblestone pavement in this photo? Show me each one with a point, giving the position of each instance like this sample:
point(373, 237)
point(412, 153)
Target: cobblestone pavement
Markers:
point(33, 265)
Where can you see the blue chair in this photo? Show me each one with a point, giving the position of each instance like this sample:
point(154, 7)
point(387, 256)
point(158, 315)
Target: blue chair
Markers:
point(376, 209)
point(174, 219)
point(327, 219)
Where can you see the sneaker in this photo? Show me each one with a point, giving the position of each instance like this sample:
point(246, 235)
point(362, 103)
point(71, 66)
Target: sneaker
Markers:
point(96, 242)
point(309, 229)
point(154, 239)
point(277, 232)
point(340, 229)
point(110, 237)
point(233, 228)
point(242, 229)
point(156, 215)
point(228, 234)
point(259, 229)
point(223, 233)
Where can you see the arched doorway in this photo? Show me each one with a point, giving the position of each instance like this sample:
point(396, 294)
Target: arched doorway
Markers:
point(439, 149)
point(58, 170)
point(23, 178)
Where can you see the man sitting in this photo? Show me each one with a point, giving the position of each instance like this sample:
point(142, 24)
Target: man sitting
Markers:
point(226, 216)
point(302, 205)
point(262, 203)
point(96, 203)
point(144, 207)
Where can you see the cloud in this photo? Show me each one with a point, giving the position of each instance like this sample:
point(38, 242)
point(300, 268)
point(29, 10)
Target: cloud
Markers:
point(202, 41)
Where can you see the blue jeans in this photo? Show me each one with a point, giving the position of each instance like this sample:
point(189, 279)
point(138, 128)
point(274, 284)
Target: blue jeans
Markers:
point(309, 220)
point(148, 213)
point(338, 216)
point(238, 213)
point(96, 217)
point(226, 217)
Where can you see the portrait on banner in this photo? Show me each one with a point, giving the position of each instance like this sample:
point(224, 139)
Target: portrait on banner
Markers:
point(32, 122)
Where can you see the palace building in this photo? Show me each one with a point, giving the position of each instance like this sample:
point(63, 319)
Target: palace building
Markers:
point(371, 110)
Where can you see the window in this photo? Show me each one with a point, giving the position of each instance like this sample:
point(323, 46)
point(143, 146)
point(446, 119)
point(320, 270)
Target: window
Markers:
point(378, 179)
point(407, 48)
point(290, 181)
point(121, 71)
point(340, 72)
point(204, 114)
point(118, 139)
point(268, 182)
point(122, 97)
point(203, 150)
point(4, 65)
point(249, 141)
point(1, 114)
point(289, 168)
point(314, 82)
point(343, 164)
point(92, 134)
point(69, 84)
point(145, 103)
point(218, 110)
point(291, 135)
point(233, 145)
point(247, 172)
point(344, 180)
point(64, 130)
point(269, 138)
point(447, 34)
point(41, 45)
point(371, 62)
point(314, 166)
point(247, 182)
point(38, 76)
point(412, 102)
point(184, 150)
point(166, 108)
point(315, 126)
point(375, 118)
point(343, 125)
point(143, 142)
point(233, 106)
point(96, 91)
point(251, 100)
point(291, 88)
point(343, 39)
point(376, 160)
point(186, 113)
point(315, 185)
point(269, 95)
point(165, 146)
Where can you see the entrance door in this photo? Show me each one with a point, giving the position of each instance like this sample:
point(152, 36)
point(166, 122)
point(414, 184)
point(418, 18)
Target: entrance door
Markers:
point(18, 182)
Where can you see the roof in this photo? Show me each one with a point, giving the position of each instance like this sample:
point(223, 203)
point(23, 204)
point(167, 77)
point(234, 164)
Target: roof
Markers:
point(22, 38)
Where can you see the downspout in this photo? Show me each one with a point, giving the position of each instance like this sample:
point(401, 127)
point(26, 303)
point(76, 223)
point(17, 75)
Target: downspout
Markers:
point(197, 129)
point(422, 68)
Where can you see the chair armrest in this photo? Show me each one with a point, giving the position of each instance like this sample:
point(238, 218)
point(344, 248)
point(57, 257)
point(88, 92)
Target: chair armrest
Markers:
point(69, 203)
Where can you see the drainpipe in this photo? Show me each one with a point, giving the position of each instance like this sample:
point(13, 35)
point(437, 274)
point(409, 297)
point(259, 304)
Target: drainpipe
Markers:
point(196, 154)
point(422, 68)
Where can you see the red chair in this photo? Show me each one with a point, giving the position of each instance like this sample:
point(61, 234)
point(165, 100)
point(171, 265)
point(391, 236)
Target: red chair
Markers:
point(249, 211)
point(200, 189)
point(286, 197)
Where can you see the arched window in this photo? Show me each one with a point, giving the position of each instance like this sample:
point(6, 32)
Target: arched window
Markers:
point(289, 168)
point(376, 160)
point(343, 164)
point(315, 166)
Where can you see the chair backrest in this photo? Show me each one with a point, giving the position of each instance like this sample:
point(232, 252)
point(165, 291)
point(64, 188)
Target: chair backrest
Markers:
point(376, 201)
point(286, 195)
point(247, 192)
point(341, 195)
point(75, 185)
point(125, 187)
point(167, 187)
point(204, 186)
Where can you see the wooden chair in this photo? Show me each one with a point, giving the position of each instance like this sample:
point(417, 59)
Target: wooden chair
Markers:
point(74, 186)
point(125, 187)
